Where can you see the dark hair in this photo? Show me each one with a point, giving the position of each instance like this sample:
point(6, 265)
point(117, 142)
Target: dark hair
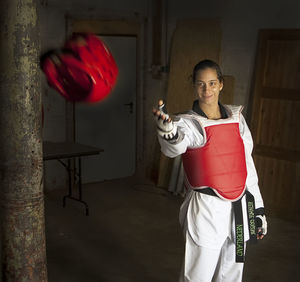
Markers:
point(207, 64)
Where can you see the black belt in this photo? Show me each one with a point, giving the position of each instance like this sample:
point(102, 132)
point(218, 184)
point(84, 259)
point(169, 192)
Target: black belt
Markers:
point(239, 224)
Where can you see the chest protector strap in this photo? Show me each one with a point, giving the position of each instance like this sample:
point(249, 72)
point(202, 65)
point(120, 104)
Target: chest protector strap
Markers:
point(220, 164)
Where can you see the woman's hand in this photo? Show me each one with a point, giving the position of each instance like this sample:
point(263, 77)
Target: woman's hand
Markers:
point(261, 224)
point(165, 126)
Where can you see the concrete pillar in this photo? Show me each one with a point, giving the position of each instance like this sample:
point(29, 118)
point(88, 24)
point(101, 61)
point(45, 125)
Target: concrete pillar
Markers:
point(21, 162)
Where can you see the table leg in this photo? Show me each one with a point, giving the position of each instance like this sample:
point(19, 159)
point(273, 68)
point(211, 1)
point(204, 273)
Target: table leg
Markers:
point(79, 199)
point(69, 170)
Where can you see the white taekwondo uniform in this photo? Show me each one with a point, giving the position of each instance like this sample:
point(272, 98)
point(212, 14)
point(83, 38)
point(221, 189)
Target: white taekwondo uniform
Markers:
point(208, 221)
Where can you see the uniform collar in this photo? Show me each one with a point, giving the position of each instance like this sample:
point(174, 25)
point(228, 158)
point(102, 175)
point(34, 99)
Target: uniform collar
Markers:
point(197, 110)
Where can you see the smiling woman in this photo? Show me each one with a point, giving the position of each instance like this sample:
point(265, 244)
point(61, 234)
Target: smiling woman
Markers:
point(223, 201)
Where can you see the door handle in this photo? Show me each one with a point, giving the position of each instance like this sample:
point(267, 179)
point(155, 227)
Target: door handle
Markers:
point(130, 105)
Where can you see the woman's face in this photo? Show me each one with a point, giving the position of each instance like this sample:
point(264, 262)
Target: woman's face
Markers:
point(208, 86)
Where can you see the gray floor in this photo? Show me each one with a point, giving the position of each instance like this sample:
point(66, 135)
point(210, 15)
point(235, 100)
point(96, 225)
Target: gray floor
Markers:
point(132, 234)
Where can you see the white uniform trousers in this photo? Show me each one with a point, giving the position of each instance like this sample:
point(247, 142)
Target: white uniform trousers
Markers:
point(202, 264)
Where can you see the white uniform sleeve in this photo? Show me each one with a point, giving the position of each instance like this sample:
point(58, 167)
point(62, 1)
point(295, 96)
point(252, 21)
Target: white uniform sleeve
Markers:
point(252, 179)
point(188, 136)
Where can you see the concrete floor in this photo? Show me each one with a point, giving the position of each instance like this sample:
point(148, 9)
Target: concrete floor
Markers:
point(133, 234)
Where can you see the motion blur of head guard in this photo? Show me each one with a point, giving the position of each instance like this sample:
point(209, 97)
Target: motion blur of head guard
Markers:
point(83, 71)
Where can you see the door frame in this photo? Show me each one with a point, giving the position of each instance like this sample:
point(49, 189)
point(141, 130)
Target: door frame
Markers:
point(114, 27)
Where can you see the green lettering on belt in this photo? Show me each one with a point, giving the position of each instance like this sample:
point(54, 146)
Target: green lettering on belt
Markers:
point(252, 227)
point(250, 210)
point(239, 240)
point(251, 218)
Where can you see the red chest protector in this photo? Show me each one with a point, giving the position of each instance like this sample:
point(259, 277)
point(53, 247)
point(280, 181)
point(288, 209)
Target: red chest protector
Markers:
point(220, 163)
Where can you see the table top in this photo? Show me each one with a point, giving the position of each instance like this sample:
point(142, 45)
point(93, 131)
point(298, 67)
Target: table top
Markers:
point(63, 150)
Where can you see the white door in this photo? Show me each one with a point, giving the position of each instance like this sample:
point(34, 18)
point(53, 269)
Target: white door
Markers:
point(111, 124)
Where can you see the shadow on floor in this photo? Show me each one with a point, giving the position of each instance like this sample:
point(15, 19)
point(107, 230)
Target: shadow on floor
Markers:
point(132, 234)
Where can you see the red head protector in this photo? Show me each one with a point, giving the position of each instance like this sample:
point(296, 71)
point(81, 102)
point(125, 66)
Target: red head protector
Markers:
point(84, 71)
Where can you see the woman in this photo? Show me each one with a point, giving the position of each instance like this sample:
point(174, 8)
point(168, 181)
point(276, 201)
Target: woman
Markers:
point(223, 207)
